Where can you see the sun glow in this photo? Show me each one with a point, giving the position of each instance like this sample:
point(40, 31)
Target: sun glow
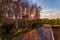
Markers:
point(32, 15)
point(13, 17)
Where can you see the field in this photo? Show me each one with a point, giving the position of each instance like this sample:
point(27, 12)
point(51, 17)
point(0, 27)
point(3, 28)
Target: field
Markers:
point(56, 32)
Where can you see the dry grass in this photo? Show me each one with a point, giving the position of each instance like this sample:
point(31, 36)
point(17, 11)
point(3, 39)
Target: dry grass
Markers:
point(56, 34)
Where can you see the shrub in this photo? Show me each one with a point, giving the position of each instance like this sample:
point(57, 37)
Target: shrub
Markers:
point(7, 27)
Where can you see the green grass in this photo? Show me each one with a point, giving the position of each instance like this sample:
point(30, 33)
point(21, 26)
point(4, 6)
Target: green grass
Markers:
point(0, 39)
point(7, 36)
point(17, 32)
point(21, 31)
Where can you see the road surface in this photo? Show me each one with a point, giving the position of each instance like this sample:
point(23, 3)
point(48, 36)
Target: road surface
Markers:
point(42, 33)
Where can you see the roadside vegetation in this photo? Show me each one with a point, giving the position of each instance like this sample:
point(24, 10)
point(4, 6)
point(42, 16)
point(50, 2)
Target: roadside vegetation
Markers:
point(8, 30)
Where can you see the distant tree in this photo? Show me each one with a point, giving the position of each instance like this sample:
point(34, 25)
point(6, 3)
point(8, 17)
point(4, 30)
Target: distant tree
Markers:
point(58, 21)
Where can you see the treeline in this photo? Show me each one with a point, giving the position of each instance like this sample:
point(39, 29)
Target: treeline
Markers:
point(10, 9)
point(50, 21)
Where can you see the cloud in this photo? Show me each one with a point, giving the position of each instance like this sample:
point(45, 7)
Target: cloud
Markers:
point(50, 13)
point(54, 15)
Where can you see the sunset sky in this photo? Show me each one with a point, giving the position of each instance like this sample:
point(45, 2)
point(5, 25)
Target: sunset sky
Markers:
point(50, 8)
